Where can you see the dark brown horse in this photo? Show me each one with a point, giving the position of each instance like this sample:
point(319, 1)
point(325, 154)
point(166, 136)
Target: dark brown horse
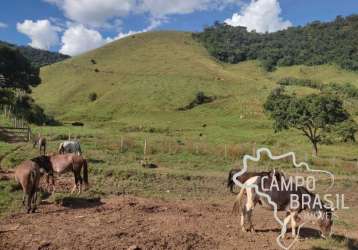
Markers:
point(28, 175)
point(242, 178)
point(282, 196)
point(65, 163)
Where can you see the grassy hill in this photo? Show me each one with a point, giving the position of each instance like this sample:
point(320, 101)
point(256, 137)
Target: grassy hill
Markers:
point(142, 80)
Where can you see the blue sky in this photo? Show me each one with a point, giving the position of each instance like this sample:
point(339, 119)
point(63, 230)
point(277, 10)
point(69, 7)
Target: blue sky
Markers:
point(75, 26)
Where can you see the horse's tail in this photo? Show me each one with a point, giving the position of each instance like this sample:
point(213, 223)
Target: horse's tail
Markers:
point(32, 182)
point(237, 204)
point(79, 150)
point(85, 172)
point(230, 181)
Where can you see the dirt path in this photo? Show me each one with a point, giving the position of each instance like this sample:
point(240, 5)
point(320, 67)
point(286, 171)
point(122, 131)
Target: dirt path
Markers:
point(120, 222)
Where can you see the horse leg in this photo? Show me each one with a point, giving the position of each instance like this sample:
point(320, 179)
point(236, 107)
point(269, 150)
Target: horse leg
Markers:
point(80, 183)
point(23, 199)
point(29, 200)
point(293, 224)
point(242, 220)
point(76, 180)
point(286, 221)
point(248, 209)
point(34, 201)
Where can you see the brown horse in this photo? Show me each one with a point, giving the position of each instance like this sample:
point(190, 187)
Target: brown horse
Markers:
point(64, 163)
point(40, 141)
point(28, 174)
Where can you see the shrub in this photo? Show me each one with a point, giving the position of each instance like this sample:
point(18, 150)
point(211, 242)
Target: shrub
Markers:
point(200, 98)
point(92, 96)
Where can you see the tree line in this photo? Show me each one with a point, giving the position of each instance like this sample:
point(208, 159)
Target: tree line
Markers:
point(37, 57)
point(17, 76)
point(314, 44)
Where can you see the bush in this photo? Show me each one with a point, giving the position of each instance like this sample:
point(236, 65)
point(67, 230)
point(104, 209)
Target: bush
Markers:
point(343, 90)
point(200, 98)
point(346, 131)
point(92, 96)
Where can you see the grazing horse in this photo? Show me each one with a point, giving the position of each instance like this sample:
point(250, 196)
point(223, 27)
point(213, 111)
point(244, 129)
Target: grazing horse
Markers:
point(67, 147)
point(40, 141)
point(281, 196)
point(242, 178)
point(28, 175)
point(64, 163)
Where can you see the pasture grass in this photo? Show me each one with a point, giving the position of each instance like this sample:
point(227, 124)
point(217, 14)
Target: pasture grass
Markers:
point(10, 197)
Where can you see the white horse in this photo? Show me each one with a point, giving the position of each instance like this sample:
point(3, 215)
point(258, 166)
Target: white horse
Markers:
point(70, 147)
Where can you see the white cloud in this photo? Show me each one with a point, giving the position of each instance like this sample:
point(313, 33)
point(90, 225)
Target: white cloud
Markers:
point(3, 25)
point(260, 15)
point(94, 13)
point(78, 39)
point(155, 23)
point(86, 18)
point(42, 33)
point(101, 13)
point(160, 8)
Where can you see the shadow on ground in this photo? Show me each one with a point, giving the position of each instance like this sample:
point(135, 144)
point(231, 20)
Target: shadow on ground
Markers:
point(78, 202)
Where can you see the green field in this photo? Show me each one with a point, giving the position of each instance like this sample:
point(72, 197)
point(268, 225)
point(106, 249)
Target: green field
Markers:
point(142, 80)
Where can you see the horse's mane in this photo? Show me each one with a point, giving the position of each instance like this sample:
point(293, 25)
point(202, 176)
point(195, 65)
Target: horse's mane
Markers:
point(44, 162)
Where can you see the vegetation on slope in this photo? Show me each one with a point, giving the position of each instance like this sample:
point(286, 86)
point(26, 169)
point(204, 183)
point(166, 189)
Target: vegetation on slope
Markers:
point(37, 57)
point(141, 81)
point(314, 44)
point(17, 76)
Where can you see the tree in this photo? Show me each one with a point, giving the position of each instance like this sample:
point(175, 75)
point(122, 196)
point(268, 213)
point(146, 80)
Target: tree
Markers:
point(310, 114)
point(313, 44)
point(18, 75)
point(17, 71)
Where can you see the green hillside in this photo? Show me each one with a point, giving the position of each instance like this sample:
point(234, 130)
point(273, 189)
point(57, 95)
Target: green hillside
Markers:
point(153, 72)
point(142, 80)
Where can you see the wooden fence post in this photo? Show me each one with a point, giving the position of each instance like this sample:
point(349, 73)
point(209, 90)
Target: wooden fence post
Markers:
point(225, 152)
point(145, 147)
point(28, 134)
point(121, 144)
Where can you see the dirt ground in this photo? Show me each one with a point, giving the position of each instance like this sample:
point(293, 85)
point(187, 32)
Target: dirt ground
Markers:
point(128, 222)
